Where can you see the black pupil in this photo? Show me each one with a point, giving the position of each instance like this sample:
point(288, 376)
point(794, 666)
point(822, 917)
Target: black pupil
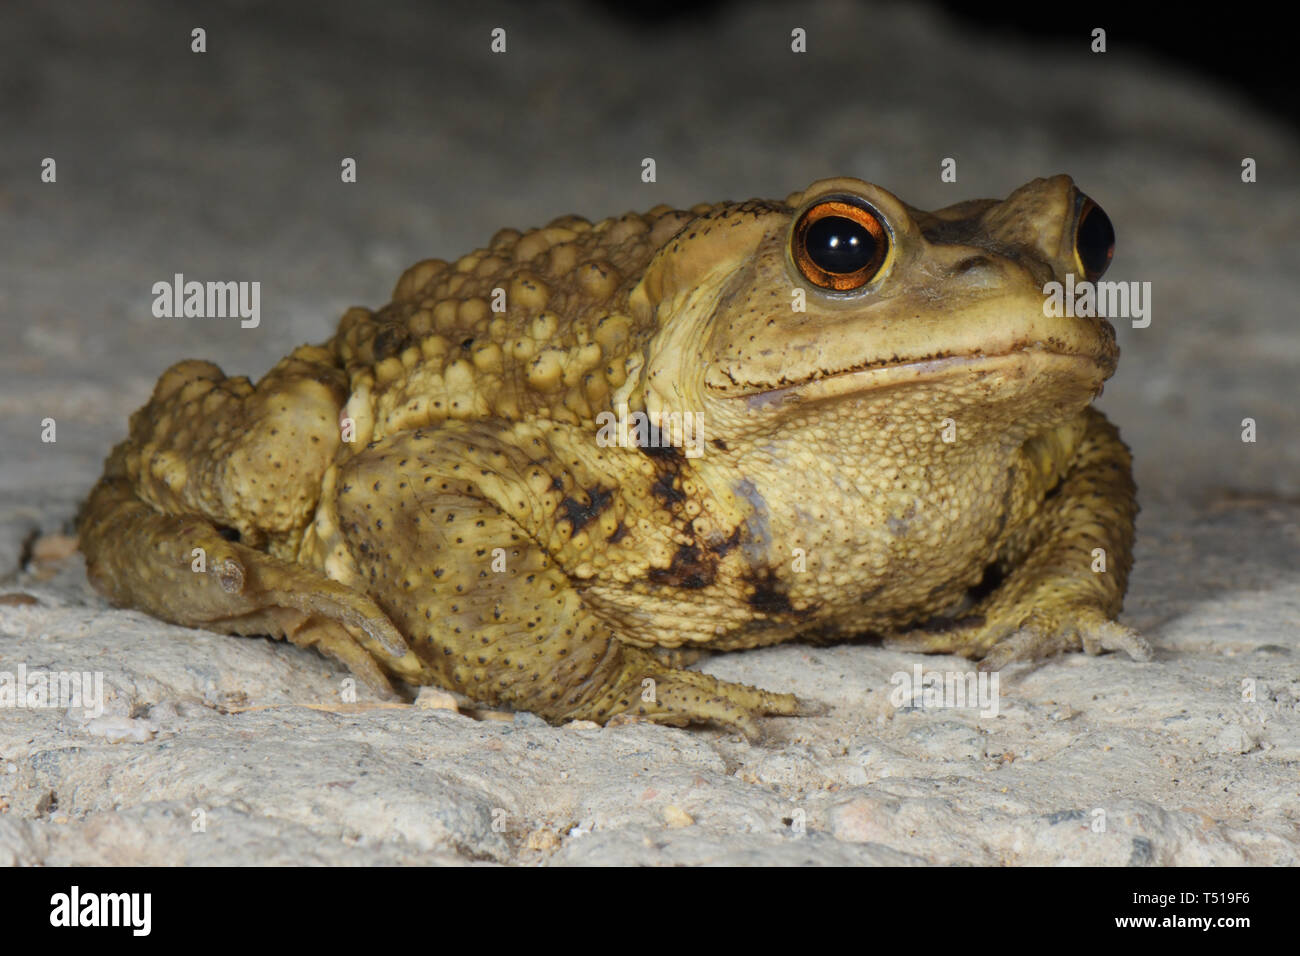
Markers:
point(1095, 240)
point(839, 245)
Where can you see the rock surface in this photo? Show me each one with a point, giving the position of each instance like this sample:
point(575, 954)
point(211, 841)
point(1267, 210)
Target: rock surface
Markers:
point(225, 165)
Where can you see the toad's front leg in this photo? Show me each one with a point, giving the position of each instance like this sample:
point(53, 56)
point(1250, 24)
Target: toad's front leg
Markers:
point(446, 528)
point(1056, 594)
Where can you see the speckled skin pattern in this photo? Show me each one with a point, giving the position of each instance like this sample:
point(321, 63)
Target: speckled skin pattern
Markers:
point(424, 496)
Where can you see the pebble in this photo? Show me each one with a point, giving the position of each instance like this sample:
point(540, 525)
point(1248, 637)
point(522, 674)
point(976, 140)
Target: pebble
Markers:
point(676, 817)
point(435, 698)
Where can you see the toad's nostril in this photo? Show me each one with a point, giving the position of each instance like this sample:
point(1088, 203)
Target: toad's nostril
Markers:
point(971, 264)
point(977, 273)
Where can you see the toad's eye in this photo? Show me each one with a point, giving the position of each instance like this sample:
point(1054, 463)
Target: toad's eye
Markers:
point(1094, 239)
point(839, 245)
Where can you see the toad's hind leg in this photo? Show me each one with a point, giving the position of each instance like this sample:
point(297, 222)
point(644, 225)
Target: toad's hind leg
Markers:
point(211, 459)
point(138, 557)
point(436, 523)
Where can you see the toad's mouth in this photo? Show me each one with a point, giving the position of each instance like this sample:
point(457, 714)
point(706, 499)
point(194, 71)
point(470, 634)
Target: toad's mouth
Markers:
point(1023, 363)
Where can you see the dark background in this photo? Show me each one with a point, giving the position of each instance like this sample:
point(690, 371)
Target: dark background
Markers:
point(1252, 51)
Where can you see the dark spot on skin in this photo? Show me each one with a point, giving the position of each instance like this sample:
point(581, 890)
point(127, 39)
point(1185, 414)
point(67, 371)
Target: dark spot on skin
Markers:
point(719, 444)
point(657, 447)
point(618, 534)
point(769, 596)
point(663, 488)
point(721, 547)
point(390, 340)
point(580, 515)
point(689, 569)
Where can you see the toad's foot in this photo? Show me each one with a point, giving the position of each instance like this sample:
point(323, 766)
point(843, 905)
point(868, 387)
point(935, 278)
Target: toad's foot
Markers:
point(648, 688)
point(1039, 633)
point(1045, 633)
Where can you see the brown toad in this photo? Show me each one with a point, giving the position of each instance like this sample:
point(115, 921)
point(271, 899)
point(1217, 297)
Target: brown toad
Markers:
point(883, 431)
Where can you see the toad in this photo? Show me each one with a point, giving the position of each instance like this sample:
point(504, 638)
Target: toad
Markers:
point(834, 415)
